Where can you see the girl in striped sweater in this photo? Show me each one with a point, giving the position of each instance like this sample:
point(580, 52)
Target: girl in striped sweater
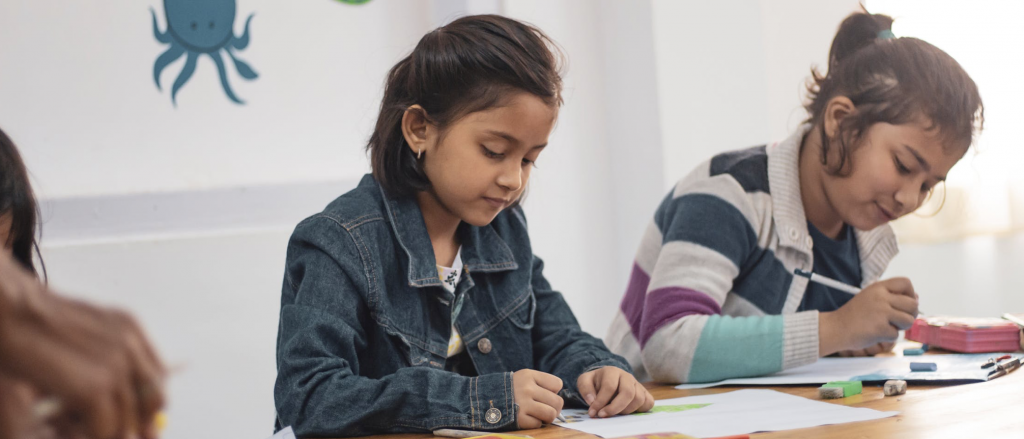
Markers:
point(713, 293)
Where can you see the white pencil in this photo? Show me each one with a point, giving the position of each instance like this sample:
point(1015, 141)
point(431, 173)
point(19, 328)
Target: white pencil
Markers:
point(827, 281)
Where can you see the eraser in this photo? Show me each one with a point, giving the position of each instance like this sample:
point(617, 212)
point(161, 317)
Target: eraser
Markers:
point(894, 387)
point(850, 388)
point(914, 351)
point(923, 367)
point(830, 392)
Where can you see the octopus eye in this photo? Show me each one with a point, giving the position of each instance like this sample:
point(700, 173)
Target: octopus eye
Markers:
point(194, 25)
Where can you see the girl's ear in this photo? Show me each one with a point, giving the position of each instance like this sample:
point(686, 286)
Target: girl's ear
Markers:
point(837, 109)
point(417, 129)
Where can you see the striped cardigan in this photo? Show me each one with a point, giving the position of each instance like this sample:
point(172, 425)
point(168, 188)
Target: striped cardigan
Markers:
point(712, 294)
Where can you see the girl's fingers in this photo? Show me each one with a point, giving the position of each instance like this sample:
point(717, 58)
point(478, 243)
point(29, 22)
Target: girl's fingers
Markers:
point(549, 399)
point(624, 395)
point(585, 384)
point(648, 403)
point(527, 422)
point(638, 399)
point(608, 383)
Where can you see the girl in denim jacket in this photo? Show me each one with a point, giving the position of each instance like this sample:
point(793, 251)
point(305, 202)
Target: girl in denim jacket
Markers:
point(414, 302)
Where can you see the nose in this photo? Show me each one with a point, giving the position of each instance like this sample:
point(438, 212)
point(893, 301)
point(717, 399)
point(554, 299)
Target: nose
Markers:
point(511, 176)
point(909, 196)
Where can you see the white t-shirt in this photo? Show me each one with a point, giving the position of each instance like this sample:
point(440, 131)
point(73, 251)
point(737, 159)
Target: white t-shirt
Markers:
point(449, 279)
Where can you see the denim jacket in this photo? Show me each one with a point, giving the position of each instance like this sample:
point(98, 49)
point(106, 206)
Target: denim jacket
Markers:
point(365, 323)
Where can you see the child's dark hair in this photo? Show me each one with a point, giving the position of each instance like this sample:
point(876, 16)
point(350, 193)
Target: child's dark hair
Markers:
point(17, 200)
point(469, 65)
point(891, 80)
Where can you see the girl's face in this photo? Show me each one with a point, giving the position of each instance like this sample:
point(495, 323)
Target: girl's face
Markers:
point(481, 164)
point(893, 170)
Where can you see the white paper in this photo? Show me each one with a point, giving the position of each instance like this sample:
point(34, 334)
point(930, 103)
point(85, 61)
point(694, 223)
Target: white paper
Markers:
point(285, 433)
point(731, 413)
point(964, 367)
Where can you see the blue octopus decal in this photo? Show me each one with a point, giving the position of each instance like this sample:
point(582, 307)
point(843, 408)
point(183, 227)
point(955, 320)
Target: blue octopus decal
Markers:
point(198, 27)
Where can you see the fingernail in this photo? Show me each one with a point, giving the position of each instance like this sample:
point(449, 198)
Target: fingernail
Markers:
point(601, 414)
point(591, 413)
point(590, 398)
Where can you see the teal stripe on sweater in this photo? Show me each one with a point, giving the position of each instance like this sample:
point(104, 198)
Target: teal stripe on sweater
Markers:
point(736, 347)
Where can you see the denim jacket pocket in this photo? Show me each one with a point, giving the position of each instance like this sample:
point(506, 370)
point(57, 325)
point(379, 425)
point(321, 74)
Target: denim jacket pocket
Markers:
point(522, 316)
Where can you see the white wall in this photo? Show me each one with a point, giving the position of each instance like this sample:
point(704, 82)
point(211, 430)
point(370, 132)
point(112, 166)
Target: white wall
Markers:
point(731, 73)
point(94, 123)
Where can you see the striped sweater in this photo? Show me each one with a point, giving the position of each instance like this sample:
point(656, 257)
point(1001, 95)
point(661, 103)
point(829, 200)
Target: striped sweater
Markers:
point(712, 294)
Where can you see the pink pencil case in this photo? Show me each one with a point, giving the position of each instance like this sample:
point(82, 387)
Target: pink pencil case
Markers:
point(970, 335)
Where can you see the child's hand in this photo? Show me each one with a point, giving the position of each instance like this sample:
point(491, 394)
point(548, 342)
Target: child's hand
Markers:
point(870, 351)
point(599, 386)
point(873, 316)
point(536, 395)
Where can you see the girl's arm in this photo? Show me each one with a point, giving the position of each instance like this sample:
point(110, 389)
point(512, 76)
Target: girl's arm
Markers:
point(701, 240)
point(560, 347)
point(320, 391)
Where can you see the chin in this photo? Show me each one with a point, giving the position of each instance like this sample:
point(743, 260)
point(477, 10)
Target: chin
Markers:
point(479, 220)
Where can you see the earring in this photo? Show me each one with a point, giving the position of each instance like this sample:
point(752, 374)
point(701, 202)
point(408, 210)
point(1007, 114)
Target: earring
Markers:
point(419, 153)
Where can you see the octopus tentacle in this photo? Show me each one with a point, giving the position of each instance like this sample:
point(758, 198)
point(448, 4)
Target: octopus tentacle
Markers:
point(224, 77)
point(174, 52)
point(242, 41)
point(186, 73)
point(163, 37)
point(243, 68)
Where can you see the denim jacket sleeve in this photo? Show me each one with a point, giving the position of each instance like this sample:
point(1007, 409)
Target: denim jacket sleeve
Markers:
point(560, 346)
point(322, 333)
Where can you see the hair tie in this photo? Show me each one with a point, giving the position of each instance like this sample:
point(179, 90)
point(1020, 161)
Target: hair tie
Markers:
point(886, 34)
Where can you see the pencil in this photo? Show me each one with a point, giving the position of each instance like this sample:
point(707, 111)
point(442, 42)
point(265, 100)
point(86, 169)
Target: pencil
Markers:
point(562, 418)
point(832, 283)
point(827, 281)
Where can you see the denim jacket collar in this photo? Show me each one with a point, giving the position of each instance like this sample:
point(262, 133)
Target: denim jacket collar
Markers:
point(482, 249)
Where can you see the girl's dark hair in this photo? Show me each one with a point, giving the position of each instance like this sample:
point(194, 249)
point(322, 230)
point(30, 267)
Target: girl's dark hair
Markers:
point(469, 65)
point(16, 199)
point(891, 80)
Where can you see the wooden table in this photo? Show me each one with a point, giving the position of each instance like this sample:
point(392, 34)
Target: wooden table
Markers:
point(994, 409)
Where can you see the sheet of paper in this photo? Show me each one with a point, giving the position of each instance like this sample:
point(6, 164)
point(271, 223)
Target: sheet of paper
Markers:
point(285, 433)
point(952, 367)
point(723, 414)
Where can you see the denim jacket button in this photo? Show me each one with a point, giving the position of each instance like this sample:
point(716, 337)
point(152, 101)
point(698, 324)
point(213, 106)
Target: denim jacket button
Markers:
point(493, 415)
point(484, 345)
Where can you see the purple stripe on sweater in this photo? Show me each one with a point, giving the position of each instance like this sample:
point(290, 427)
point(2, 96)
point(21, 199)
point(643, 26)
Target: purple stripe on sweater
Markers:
point(632, 305)
point(666, 305)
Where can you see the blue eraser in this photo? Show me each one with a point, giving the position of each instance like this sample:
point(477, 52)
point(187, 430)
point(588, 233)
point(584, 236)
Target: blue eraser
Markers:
point(923, 367)
point(914, 351)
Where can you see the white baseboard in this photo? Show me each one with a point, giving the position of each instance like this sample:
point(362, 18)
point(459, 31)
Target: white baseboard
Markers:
point(174, 215)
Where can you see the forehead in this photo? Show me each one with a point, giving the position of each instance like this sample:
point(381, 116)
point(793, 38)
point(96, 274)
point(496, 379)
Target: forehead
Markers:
point(525, 116)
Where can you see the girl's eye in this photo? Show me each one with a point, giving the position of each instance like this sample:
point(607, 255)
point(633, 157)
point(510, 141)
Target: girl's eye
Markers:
point(899, 166)
point(491, 154)
point(528, 162)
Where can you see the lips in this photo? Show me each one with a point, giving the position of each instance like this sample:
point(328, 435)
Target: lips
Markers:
point(496, 202)
point(886, 214)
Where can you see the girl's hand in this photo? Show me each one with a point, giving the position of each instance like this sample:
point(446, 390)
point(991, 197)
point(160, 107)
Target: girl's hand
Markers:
point(536, 394)
point(612, 391)
point(95, 361)
point(869, 351)
point(873, 316)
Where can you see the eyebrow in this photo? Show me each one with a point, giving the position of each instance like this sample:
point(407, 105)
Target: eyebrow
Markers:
point(922, 161)
point(511, 138)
